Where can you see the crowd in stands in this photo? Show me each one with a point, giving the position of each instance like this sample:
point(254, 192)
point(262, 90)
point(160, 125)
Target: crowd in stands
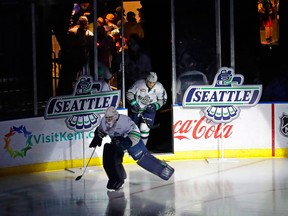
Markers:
point(77, 57)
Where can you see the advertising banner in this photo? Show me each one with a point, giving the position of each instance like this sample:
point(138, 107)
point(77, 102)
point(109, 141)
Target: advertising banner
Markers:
point(193, 131)
point(36, 140)
point(66, 129)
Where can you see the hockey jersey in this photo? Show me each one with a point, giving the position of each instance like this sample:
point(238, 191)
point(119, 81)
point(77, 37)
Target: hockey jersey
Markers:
point(145, 96)
point(123, 127)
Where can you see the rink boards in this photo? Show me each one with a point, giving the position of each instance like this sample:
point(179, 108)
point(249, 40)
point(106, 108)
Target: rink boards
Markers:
point(36, 144)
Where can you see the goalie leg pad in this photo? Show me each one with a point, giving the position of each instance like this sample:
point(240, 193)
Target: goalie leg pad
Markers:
point(137, 150)
point(156, 166)
point(112, 163)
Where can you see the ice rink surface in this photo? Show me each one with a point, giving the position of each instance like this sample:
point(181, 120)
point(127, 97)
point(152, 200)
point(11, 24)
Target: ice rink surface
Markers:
point(250, 187)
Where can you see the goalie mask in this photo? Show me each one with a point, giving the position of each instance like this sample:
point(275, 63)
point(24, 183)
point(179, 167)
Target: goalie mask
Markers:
point(111, 116)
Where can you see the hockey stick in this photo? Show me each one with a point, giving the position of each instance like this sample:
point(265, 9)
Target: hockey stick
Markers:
point(79, 177)
point(149, 126)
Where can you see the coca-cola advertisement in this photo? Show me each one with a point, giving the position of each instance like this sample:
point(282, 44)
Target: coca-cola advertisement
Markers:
point(251, 130)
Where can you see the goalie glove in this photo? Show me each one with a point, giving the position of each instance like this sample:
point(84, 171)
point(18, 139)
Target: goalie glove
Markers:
point(122, 143)
point(97, 140)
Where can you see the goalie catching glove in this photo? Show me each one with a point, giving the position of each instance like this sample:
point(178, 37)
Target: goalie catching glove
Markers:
point(97, 140)
point(122, 143)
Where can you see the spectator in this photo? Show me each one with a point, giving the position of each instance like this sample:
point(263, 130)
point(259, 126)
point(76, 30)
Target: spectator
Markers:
point(117, 37)
point(132, 27)
point(266, 8)
point(79, 47)
point(118, 16)
point(106, 47)
point(100, 21)
point(110, 24)
point(137, 63)
point(141, 15)
point(81, 9)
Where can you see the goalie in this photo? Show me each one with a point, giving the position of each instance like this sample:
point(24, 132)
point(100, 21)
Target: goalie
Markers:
point(125, 136)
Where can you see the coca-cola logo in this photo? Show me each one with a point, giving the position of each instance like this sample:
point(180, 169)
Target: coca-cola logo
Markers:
point(201, 129)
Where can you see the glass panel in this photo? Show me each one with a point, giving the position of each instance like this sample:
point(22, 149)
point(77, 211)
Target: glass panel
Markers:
point(195, 34)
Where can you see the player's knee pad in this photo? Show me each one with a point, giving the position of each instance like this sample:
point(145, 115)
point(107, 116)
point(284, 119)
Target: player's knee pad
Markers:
point(137, 150)
point(112, 163)
point(155, 166)
point(144, 127)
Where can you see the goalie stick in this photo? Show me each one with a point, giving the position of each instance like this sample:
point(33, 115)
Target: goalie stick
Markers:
point(79, 177)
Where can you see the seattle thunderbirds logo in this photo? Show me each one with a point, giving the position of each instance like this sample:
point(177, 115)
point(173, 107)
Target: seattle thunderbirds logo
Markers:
point(223, 99)
point(82, 109)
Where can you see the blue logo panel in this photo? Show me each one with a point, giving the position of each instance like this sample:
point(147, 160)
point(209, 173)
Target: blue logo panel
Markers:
point(223, 99)
point(82, 109)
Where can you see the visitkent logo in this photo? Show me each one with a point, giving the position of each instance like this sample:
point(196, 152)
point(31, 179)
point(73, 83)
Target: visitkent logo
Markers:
point(223, 99)
point(82, 109)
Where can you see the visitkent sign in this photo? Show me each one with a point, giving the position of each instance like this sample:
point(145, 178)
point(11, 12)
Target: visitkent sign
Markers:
point(82, 109)
point(222, 100)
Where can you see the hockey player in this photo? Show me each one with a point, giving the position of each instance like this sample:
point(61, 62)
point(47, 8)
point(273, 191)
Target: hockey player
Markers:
point(145, 98)
point(125, 136)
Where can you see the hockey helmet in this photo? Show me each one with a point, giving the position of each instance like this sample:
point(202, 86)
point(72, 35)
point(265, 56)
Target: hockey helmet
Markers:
point(151, 79)
point(111, 116)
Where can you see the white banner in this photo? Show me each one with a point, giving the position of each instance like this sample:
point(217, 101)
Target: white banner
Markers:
point(36, 140)
point(193, 131)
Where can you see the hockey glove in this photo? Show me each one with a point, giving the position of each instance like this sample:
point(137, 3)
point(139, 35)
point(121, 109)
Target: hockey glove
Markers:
point(97, 140)
point(135, 106)
point(117, 140)
point(122, 143)
point(151, 108)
